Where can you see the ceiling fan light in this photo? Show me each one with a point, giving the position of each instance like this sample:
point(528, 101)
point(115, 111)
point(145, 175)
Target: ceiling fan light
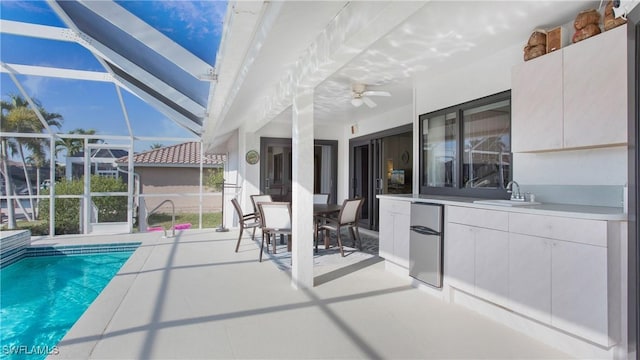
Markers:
point(357, 102)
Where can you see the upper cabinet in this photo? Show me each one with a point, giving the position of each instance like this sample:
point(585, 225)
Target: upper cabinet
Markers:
point(595, 90)
point(575, 97)
point(536, 104)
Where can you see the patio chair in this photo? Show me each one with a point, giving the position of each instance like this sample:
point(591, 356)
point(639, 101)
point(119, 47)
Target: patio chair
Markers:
point(255, 199)
point(248, 221)
point(348, 218)
point(320, 198)
point(276, 220)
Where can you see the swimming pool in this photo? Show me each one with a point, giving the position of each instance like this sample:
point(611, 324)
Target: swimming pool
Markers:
point(42, 297)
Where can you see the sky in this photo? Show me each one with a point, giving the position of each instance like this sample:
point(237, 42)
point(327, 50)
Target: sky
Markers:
point(195, 25)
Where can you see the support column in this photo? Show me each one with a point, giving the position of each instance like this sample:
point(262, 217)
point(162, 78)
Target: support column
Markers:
point(302, 188)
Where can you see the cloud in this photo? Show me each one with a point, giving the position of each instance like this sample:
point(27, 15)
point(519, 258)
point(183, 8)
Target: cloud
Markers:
point(200, 18)
point(35, 85)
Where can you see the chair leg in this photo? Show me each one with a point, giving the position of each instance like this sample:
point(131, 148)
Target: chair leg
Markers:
point(340, 242)
point(353, 236)
point(289, 243)
point(253, 234)
point(274, 243)
point(262, 247)
point(359, 238)
point(239, 237)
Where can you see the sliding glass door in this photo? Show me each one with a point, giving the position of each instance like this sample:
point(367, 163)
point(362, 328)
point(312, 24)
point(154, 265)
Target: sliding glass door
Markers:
point(380, 163)
point(276, 168)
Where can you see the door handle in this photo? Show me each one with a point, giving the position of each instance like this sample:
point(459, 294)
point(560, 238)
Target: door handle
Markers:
point(424, 230)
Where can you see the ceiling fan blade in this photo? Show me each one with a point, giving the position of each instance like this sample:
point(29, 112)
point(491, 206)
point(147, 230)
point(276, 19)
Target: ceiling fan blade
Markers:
point(376, 93)
point(370, 103)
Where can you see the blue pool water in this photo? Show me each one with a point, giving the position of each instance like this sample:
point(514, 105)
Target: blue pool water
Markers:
point(42, 297)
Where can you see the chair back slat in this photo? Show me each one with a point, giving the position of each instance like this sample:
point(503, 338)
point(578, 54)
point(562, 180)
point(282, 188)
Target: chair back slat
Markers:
point(275, 215)
point(350, 210)
point(255, 199)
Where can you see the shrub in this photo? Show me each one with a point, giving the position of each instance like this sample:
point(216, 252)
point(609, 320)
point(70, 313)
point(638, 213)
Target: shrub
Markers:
point(67, 216)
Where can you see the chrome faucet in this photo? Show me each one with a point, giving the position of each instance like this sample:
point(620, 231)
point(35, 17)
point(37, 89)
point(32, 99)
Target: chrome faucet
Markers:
point(514, 196)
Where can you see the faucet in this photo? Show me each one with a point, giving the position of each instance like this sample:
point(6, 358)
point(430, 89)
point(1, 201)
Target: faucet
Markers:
point(514, 196)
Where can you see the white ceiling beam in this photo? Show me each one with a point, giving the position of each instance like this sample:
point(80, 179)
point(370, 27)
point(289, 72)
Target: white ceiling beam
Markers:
point(127, 66)
point(150, 37)
point(36, 31)
point(58, 73)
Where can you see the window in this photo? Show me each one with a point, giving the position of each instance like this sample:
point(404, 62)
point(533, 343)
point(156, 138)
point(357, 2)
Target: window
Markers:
point(466, 149)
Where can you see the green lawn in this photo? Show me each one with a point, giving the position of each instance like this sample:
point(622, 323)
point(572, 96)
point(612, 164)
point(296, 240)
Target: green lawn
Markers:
point(209, 220)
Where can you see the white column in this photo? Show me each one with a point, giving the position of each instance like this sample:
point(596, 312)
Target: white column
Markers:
point(302, 188)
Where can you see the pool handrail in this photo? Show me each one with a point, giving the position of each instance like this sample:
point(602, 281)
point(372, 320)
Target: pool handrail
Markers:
point(173, 217)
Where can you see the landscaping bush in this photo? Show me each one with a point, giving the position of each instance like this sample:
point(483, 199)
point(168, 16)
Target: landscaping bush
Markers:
point(67, 216)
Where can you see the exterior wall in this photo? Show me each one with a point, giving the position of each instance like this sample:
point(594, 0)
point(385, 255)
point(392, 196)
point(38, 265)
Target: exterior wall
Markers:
point(594, 170)
point(176, 181)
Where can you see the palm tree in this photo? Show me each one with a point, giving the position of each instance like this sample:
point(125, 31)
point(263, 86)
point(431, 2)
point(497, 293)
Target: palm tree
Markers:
point(19, 117)
point(156, 146)
point(74, 146)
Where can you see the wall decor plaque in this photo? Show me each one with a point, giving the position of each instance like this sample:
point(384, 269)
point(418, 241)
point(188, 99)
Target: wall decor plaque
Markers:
point(252, 157)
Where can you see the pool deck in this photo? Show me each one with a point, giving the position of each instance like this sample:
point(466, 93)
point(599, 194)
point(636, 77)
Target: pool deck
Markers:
point(192, 297)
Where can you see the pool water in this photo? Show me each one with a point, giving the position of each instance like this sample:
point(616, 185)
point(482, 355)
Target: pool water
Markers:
point(42, 297)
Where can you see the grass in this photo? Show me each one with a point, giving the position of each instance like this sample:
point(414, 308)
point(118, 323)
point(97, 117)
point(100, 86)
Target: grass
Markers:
point(209, 220)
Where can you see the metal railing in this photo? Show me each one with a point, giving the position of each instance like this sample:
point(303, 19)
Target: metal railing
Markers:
point(173, 217)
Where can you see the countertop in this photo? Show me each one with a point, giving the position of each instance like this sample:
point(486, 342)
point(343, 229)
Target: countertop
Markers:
point(563, 210)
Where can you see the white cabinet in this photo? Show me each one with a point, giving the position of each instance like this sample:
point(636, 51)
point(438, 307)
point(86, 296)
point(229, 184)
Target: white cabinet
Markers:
point(575, 97)
point(548, 268)
point(460, 255)
point(530, 276)
point(579, 290)
point(492, 265)
point(536, 104)
point(476, 256)
point(595, 95)
point(395, 218)
point(558, 273)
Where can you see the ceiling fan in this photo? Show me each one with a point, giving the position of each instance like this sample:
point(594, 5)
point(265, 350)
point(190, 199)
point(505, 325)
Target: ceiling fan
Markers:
point(360, 95)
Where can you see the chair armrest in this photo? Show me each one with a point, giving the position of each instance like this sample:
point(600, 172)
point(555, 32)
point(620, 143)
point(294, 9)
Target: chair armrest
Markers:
point(250, 217)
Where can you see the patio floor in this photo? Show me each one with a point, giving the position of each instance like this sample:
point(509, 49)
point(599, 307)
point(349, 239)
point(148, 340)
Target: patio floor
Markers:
point(192, 297)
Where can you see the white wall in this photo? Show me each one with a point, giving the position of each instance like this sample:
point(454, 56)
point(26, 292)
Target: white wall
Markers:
point(437, 89)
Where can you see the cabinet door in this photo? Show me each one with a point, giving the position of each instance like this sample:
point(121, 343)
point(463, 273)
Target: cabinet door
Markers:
point(401, 224)
point(386, 231)
point(459, 263)
point(492, 265)
point(530, 276)
point(595, 95)
point(579, 290)
point(536, 104)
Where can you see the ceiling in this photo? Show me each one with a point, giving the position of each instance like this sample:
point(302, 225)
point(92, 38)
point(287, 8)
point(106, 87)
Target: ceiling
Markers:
point(271, 49)
point(434, 37)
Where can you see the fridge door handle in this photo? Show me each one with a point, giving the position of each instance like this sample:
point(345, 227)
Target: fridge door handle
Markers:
point(424, 230)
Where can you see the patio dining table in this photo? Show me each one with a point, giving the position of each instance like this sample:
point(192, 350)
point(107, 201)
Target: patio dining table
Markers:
point(321, 210)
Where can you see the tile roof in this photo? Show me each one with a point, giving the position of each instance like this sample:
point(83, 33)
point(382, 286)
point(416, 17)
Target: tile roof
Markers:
point(181, 155)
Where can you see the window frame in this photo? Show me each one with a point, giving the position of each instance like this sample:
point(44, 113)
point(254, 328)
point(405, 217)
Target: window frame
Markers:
point(458, 189)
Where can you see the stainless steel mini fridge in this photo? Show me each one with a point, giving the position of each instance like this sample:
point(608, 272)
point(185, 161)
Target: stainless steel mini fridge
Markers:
point(425, 243)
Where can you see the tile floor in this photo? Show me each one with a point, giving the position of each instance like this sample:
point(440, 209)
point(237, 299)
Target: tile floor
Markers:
point(192, 297)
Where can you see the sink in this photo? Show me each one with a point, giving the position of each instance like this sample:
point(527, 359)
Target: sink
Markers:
point(502, 202)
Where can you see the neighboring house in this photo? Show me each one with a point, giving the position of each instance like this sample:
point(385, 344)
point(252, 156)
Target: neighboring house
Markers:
point(175, 170)
point(103, 162)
